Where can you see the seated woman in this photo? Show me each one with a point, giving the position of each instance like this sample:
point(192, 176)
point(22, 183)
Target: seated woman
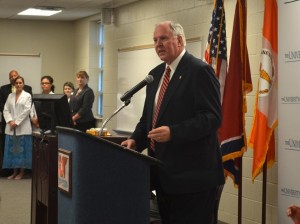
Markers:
point(81, 104)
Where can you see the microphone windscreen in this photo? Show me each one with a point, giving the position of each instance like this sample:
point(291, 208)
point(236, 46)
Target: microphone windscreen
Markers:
point(149, 79)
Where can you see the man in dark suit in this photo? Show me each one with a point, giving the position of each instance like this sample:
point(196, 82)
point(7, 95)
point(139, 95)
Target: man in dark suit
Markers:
point(4, 92)
point(184, 136)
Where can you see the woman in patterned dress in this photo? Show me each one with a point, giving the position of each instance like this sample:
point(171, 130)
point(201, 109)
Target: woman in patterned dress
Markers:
point(18, 139)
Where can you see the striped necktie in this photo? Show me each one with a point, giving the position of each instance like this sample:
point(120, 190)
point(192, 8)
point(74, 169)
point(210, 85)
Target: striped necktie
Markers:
point(161, 94)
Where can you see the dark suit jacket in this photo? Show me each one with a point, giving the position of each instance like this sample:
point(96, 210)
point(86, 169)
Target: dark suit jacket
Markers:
point(4, 92)
point(82, 104)
point(191, 108)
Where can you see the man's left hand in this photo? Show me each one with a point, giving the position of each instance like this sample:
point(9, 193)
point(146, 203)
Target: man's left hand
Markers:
point(160, 134)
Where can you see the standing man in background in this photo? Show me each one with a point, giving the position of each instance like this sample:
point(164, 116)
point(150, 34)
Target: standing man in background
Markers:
point(181, 116)
point(4, 92)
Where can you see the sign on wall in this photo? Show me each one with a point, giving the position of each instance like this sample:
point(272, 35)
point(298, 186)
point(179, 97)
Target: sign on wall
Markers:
point(288, 107)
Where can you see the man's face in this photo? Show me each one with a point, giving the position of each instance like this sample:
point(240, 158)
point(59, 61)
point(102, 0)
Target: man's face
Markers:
point(167, 46)
point(12, 76)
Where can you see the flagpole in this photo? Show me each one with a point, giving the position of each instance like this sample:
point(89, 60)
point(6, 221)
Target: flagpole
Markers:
point(264, 193)
point(240, 193)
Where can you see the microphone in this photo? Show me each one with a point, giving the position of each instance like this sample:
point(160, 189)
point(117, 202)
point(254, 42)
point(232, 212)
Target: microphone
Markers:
point(129, 93)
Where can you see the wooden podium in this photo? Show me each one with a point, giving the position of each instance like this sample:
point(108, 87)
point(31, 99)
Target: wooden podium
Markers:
point(45, 176)
point(105, 182)
point(44, 179)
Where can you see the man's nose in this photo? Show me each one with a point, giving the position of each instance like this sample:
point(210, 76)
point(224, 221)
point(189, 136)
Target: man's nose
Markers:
point(158, 42)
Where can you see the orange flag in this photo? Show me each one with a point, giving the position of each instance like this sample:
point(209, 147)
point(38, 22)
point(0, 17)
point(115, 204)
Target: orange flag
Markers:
point(266, 117)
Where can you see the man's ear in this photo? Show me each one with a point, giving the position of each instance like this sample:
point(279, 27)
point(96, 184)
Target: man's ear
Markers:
point(180, 40)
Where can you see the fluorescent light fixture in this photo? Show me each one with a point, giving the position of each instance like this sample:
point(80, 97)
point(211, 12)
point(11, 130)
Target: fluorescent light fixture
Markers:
point(41, 11)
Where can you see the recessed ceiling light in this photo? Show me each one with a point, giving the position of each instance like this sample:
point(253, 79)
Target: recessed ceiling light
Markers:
point(40, 11)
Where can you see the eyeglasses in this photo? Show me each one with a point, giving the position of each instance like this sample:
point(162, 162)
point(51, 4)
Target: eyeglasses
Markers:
point(45, 83)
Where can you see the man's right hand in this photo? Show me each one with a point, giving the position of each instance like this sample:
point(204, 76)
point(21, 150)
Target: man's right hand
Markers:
point(129, 143)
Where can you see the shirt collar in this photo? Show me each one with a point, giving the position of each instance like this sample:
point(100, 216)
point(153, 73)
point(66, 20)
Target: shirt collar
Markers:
point(175, 63)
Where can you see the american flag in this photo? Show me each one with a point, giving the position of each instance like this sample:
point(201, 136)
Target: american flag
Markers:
point(216, 49)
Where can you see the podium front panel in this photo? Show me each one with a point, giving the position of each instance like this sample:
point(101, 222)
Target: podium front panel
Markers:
point(44, 180)
point(109, 184)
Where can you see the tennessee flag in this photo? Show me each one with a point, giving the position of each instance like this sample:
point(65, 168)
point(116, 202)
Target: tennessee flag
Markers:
point(265, 117)
point(232, 136)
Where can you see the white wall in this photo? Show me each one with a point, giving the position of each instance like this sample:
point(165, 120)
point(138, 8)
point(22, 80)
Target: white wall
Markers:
point(133, 26)
point(53, 40)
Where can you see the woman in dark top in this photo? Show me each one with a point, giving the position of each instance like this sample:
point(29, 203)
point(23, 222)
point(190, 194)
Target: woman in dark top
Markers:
point(81, 104)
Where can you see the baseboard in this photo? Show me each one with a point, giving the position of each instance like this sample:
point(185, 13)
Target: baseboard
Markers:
point(220, 222)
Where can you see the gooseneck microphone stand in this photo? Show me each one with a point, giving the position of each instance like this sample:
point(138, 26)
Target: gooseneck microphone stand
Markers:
point(125, 103)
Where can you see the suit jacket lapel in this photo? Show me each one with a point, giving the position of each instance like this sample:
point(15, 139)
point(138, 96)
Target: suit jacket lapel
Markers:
point(82, 91)
point(176, 80)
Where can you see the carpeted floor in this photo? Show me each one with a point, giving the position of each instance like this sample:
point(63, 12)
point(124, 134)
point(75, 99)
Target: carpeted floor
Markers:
point(15, 201)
